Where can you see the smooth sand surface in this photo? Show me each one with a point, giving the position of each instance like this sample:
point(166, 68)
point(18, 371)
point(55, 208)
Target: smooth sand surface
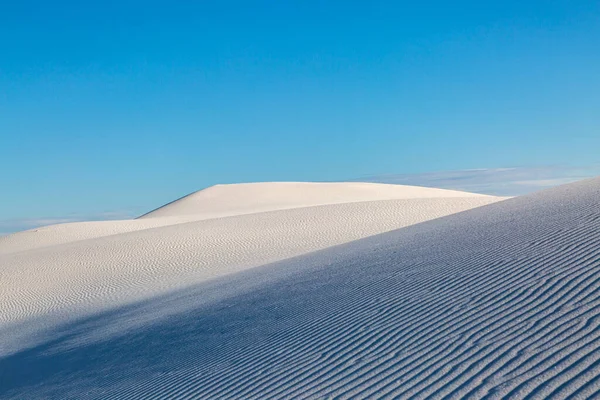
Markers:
point(78, 268)
point(497, 302)
point(246, 198)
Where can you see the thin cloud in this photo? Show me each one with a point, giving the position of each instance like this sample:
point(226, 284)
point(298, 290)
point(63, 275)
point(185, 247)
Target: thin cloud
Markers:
point(513, 181)
point(21, 224)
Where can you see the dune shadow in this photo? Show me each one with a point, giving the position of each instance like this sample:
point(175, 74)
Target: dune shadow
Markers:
point(110, 352)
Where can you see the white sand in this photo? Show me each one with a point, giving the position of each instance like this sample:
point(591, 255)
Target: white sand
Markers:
point(230, 200)
point(247, 198)
point(78, 268)
point(500, 301)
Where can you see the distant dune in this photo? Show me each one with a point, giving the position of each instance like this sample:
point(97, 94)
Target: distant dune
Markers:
point(230, 200)
point(88, 266)
point(499, 301)
point(247, 198)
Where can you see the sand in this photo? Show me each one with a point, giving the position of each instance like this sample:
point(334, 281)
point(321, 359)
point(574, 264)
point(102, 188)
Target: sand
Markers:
point(498, 301)
point(78, 268)
point(247, 198)
point(230, 200)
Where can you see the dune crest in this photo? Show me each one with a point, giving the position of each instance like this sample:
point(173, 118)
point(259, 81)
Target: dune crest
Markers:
point(248, 198)
point(225, 201)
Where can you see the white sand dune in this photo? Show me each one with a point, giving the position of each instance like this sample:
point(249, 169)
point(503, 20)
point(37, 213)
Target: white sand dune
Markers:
point(500, 301)
point(247, 198)
point(88, 266)
point(230, 200)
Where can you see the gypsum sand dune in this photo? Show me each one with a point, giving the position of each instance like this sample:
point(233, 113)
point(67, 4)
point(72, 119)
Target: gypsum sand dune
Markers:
point(247, 198)
point(223, 201)
point(501, 301)
point(90, 275)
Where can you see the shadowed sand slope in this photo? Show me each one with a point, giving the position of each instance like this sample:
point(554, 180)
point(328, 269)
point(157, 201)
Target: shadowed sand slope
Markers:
point(501, 301)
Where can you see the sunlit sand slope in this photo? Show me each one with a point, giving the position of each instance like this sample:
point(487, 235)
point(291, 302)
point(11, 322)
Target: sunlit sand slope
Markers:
point(80, 268)
point(246, 198)
point(228, 200)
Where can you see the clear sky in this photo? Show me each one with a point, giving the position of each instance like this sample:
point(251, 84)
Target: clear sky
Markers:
point(121, 105)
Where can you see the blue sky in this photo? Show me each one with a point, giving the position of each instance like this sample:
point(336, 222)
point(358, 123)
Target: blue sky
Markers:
point(114, 108)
